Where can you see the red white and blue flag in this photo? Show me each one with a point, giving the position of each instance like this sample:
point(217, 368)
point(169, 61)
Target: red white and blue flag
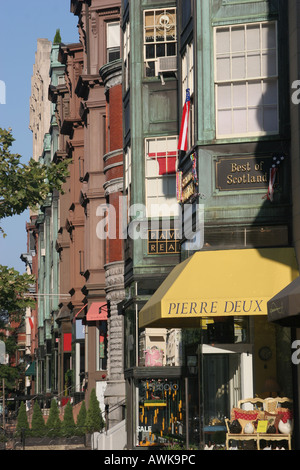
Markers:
point(277, 160)
point(182, 143)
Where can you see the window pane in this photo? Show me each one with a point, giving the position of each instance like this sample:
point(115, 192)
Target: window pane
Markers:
point(270, 93)
point(270, 119)
point(113, 35)
point(237, 40)
point(255, 120)
point(253, 65)
point(224, 122)
point(171, 164)
point(238, 67)
point(149, 18)
point(150, 52)
point(239, 95)
point(171, 48)
point(223, 69)
point(150, 69)
point(223, 43)
point(160, 187)
point(160, 50)
point(269, 36)
point(269, 64)
point(254, 94)
point(224, 96)
point(171, 181)
point(152, 167)
point(239, 121)
point(253, 37)
point(151, 188)
point(149, 34)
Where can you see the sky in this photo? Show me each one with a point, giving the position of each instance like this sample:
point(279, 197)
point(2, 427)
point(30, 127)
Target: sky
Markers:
point(21, 24)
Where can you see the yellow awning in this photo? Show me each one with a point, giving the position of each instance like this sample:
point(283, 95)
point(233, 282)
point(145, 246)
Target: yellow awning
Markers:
point(220, 283)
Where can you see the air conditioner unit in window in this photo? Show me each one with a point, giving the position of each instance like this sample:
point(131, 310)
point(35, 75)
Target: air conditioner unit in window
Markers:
point(166, 64)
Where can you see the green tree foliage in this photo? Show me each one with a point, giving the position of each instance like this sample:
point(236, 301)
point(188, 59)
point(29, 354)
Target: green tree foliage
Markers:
point(38, 427)
point(57, 37)
point(81, 418)
point(22, 421)
point(12, 288)
point(25, 185)
point(53, 424)
point(68, 424)
point(21, 186)
point(12, 307)
point(94, 420)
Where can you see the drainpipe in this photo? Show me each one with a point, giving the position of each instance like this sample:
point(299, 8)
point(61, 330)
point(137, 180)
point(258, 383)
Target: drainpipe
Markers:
point(87, 23)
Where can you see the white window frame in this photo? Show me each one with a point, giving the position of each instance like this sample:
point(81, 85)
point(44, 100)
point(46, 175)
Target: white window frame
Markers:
point(127, 168)
point(161, 201)
point(111, 45)
point(261, 80)
point(126, 55)
point(158, 13)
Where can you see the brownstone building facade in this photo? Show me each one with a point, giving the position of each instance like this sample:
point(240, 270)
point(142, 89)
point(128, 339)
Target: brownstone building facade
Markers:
point(79, 338)
point(101, 111)
point(70, 237)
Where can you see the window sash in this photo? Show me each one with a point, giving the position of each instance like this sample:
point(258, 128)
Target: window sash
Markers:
point(160, 172)
point(126, 55)
point(246, 79)
point(113, 40)
point(160, 37)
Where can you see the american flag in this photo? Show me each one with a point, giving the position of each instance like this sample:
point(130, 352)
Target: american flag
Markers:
point(273, 171)
point(182, 143)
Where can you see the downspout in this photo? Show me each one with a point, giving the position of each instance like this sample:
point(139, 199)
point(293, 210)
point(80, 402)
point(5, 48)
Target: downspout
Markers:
point(88, 65)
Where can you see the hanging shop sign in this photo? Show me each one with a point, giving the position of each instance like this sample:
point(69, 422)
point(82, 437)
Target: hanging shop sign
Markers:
point(243, 173)
point(187, 181)
point(163, 241)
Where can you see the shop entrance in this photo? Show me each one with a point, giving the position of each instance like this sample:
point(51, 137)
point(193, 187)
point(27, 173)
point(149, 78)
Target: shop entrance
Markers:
point(221, 387)
point(212, 392)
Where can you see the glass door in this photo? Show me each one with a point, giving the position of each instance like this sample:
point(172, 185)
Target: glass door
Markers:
point(221, 386)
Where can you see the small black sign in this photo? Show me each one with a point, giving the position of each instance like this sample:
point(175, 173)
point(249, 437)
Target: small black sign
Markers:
point(163, 241)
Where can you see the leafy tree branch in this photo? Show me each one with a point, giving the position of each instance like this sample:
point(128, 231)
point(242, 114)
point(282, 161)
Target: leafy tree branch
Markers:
point(25, 185)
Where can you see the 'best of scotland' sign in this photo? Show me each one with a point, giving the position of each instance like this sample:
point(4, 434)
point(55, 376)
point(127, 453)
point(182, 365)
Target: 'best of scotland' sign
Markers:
point(243, 173)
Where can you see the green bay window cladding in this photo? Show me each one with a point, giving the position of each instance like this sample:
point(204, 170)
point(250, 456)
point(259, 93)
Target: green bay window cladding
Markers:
point(246, 80)
point(160, 38)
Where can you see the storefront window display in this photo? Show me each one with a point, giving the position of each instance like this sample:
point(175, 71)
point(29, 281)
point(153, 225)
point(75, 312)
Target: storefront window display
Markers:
point(101, 345)
point(160, 411)
point(193, 406)
point(130, 338)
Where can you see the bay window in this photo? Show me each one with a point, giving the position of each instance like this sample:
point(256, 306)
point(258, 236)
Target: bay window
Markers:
point(246, 80)
point(160, 174)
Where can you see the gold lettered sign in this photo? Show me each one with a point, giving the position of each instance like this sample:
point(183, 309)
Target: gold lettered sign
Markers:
point(243, 173)
point(163, 241)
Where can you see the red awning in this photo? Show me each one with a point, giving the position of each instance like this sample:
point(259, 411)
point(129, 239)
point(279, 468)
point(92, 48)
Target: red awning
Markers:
point(97, 311)
point(79, 312)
